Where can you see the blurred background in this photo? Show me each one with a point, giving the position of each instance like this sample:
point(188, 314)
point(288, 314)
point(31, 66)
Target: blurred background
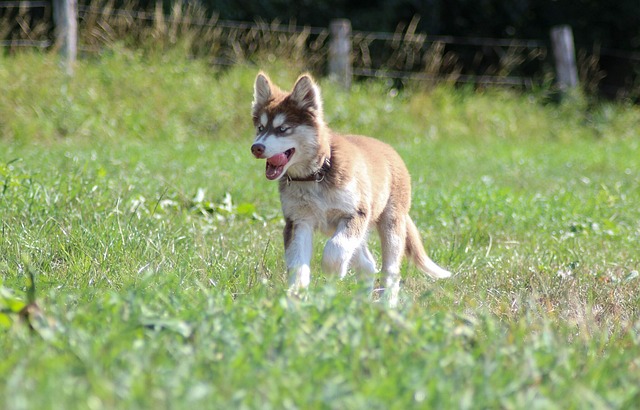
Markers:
point(463, 41)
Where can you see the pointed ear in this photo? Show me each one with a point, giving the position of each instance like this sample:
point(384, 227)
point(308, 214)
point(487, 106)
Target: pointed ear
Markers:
point(261, 90)
point(307, 94)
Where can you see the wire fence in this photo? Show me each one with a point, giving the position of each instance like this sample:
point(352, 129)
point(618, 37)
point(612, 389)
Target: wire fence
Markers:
point(25, 24)
point(401, 55)
point(222, 42)
point(406, 54)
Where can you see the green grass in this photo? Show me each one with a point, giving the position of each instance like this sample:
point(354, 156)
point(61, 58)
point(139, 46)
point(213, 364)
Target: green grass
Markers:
point(129, 193)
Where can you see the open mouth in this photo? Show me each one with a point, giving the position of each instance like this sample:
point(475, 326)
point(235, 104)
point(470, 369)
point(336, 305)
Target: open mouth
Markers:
point(276, 164)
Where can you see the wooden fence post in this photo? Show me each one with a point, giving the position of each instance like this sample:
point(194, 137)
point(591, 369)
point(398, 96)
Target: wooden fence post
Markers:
point(340, 52)
point(65, 17)
point(565, 57)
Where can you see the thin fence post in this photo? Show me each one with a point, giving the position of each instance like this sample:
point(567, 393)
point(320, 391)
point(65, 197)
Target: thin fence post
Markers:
point(65, 16)
point(340, 52)
point(565, 57)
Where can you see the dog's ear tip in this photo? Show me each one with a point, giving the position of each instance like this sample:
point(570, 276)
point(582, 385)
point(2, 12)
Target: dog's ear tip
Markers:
point(307, 93)
point(263, 77)
point(306, 77)
point(306, 82)
point(262, 89)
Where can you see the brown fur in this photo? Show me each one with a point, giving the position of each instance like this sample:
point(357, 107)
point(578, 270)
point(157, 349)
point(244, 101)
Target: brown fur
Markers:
point(366, 186)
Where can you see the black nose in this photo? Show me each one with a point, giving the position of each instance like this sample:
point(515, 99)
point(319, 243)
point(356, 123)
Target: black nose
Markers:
point(257, 150)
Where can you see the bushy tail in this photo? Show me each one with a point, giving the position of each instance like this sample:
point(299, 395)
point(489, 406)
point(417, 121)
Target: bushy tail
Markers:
point(415, 251)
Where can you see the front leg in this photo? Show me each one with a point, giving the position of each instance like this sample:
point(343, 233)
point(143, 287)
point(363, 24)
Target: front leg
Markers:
point(298, 246)
point(339, 250)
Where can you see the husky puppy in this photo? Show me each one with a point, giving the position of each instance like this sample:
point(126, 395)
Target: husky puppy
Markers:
point(342, 185)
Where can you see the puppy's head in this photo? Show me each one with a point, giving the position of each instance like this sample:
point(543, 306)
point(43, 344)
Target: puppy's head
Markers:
point(288, 126)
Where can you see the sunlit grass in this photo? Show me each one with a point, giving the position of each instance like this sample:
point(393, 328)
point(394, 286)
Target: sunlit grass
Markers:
point(155, 241)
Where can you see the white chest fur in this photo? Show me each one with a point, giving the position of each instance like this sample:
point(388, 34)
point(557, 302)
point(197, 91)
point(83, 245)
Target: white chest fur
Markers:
point(319, 205)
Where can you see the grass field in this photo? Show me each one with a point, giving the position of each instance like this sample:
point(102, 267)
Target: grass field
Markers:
point(130, 196)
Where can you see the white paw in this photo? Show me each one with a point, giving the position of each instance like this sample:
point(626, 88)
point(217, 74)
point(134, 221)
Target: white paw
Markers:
point(299, 279)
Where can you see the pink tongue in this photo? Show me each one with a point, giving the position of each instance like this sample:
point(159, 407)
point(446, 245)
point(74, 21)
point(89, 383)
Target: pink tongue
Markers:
point(278, 160)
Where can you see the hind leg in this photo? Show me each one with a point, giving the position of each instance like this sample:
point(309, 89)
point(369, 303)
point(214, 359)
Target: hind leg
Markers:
point(349, 236)
point(392, 230)
point(364, 263)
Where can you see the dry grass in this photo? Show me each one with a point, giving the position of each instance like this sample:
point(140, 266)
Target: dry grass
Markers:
point(188, 26)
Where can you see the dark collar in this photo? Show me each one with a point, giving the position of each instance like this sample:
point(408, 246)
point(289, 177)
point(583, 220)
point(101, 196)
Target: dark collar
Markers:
point(317, 176)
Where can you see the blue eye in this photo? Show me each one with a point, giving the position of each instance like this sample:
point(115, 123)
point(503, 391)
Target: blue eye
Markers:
point(283, 129)
point(260, 128)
